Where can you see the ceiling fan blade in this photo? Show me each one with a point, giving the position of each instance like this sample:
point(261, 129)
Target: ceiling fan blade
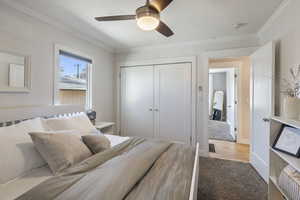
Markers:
point(164, 29)
point(160, 4)
point(116, 18)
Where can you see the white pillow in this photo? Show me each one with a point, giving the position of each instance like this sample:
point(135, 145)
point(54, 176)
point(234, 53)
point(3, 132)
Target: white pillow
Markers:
point(79, 122)
point(17, 152)
point(73, 132)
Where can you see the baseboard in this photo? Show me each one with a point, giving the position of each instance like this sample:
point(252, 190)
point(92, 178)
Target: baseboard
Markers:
point(261, 166)
point(243, 141)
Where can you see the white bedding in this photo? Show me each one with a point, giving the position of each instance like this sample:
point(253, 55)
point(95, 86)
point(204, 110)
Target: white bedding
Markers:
point(20, 185)
point(115, 140)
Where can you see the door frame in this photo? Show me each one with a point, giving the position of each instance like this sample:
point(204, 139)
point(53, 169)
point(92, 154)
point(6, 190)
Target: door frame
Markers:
point(162, 61)
point(205, 57)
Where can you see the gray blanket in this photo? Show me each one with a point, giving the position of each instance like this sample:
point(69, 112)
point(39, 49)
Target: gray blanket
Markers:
point(135, 169)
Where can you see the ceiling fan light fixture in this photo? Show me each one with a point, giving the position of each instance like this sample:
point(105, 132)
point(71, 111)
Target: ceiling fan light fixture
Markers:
point(147, 18)
point(148, 23)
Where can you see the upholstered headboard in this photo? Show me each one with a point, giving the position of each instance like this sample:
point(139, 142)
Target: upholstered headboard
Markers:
point(10, 116)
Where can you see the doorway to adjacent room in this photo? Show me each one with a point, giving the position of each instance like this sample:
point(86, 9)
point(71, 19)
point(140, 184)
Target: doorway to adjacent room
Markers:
point(223, 103)
point(229, 108)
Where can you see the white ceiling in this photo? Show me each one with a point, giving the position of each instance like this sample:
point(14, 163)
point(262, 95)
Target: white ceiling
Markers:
point(191, 20)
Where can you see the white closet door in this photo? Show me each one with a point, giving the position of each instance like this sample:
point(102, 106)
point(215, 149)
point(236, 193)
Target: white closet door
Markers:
point(173, 101)
point(137, 101)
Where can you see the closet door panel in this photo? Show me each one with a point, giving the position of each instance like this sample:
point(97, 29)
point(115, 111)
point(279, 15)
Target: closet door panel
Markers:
point(137, 101)
point(173, 102)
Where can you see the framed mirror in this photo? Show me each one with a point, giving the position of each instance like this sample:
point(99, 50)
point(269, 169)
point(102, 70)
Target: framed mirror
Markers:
point(14, 73)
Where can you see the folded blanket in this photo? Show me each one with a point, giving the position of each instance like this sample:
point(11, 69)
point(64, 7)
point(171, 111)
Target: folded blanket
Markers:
point(169, 178)
point(289, 182)
point(135, 169)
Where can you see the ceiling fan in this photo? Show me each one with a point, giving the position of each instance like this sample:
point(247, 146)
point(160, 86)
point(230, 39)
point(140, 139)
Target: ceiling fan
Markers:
point(147, 17)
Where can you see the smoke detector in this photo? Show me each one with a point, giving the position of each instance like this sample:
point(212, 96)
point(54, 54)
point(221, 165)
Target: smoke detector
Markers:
point(240, 25)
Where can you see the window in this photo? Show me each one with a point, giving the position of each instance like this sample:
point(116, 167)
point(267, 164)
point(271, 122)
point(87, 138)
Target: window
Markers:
point(72, 82)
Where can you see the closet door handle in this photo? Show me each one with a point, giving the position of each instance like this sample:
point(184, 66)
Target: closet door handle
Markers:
point(156, 110)
point(150, 109)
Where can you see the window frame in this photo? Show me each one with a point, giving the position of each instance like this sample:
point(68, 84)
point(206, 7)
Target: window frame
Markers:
point(56, 73)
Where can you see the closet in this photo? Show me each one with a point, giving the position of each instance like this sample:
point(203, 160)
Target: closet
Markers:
point(156, 101)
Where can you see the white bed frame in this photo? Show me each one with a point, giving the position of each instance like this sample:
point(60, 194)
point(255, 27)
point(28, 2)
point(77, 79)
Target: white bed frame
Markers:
point(194, 183)
point(21, 113)
point(28, 112)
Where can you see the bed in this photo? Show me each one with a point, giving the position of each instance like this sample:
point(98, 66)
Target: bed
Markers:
point(153, 176)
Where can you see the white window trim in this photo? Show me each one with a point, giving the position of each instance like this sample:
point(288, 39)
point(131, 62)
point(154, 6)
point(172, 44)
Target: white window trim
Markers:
point(57, 48)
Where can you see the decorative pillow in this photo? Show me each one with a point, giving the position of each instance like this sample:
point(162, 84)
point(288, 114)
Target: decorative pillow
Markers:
point(96, 143)
point(78, 122)
point(17, 152)
point(60, 151)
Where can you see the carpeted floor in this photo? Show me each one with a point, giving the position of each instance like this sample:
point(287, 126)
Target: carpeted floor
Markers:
point(219, 130)
point(229, 180)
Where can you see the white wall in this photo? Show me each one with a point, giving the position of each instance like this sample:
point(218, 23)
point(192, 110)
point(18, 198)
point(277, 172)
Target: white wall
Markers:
point(219, 84)
point(210, 93)
point(22, 34)
point(219, 81)
point(186, 49)
point(195, 49)
point(284, 28)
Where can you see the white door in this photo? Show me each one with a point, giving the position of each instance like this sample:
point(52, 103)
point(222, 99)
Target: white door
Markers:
point(262, 107)
point(173, 102)
point(137, 101)
point(231, 100)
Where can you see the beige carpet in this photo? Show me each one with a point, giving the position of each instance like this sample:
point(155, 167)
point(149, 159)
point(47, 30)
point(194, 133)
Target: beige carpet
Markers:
point(229, 180)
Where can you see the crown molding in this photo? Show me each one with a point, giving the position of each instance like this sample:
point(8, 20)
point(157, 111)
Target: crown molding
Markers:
point(66, 28)
point(96, 41)
point(274, 16)
point(252, 38)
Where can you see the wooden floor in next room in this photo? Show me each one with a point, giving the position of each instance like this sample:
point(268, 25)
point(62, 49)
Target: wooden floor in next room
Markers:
point(230, 150)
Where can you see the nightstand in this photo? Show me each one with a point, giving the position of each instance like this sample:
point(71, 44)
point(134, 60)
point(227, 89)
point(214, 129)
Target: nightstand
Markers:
point(106, 127)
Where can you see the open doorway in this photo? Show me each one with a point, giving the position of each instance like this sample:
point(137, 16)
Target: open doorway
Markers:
point(229, 108)
point(223, 99)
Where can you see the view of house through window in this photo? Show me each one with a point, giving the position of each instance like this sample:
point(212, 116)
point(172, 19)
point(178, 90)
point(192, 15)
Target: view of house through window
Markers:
point(73, 87)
